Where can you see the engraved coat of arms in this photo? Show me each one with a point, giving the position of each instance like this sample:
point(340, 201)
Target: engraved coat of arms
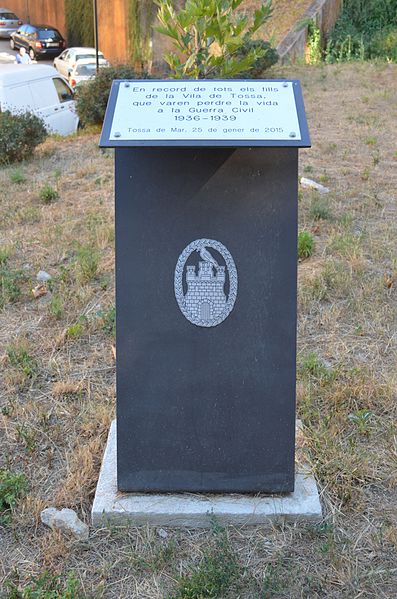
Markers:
point(205, 288)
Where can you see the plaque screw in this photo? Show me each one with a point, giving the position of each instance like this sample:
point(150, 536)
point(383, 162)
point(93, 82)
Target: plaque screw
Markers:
point(126, 85)
point(285, 84)
point(292, 134)
point(117, 134)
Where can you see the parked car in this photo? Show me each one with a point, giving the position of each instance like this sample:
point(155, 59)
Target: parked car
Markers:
point(84, 70)
point(39, 89)
point(66, 61)
point(9, 22)
point(40, 41)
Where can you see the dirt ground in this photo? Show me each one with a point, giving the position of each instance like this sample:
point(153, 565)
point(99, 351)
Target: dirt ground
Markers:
point(57, 395)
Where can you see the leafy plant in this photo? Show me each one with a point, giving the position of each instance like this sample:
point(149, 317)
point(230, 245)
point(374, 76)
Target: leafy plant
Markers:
point(108, 317)
point(87, 261)
point(365, 29)
point(47, 586)
point(12, 487)
point(217, 573)
point(92, 98)
point(362, 419)
point(316, 369)
point(48, 194)
point(79, 23)
point(56, 307)
point(75, 330)
point(212, 40)
point(19, 135)
point(19, 357)
point(319, 209)
point(314, 43)
point(17, 176)
point(10, 284)
point(305, 245)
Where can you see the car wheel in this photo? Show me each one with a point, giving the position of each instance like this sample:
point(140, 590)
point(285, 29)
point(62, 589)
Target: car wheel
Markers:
point(12, 44)
point(32, 54)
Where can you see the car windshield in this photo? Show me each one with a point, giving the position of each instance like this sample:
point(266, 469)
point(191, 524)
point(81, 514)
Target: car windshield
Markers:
point(8, 16)
point(45, 34)
point(86, 70)
point(91, 55)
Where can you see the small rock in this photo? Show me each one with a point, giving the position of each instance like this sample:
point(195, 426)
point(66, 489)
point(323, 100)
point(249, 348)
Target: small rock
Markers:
point(309, 184)
point(65, 520)
point(163, 534)
point(43, 276)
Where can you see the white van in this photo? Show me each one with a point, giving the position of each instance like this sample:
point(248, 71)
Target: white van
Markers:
point(41, 90)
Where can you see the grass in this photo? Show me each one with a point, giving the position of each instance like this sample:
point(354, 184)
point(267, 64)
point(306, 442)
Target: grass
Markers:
point(48, 194)
point(12, 487)
point(57, 395)
point(305, 245)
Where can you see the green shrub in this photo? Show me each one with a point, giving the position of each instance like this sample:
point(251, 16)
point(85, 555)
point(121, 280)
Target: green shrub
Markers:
point(384, 44)
point(17, 176)
point(108, 317)
point(10, 284)
point(87, 262)
point(213, 40)
point(47, 586)
point(79, 23)
point(48, 194)
point(19, 135)
point(92, 98)
point(305, 245)
point(365, 29)
point(266, 58)
point(12, 487)
point(20, 358)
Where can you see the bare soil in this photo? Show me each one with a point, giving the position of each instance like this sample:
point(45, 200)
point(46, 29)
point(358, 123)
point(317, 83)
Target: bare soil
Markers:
point(57, 394)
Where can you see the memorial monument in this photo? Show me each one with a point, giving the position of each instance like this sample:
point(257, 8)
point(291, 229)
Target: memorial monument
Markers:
point(206, 264)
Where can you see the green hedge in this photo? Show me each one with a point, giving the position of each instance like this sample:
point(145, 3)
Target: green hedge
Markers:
point(19, 135)
point(92, 97)
point(365, 29)
point(79, 16)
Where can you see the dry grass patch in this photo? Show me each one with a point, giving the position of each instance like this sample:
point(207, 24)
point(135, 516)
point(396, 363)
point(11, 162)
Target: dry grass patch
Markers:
point(57, 394)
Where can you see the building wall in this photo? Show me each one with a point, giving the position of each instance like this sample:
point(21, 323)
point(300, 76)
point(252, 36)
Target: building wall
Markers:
point(113, 30)
point(40, 12)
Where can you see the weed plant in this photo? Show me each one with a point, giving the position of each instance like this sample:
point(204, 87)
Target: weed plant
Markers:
point(48, 194)
point(46, 586)
point(217, 573)
point(11, 281)
point(17, 176)
point(366, 29)
point(305, 245)
point(20, 358)
point(87, 262)
point(12, 487)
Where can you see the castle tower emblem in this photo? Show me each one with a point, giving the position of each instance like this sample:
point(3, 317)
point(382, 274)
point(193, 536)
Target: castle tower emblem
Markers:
point(205, 289)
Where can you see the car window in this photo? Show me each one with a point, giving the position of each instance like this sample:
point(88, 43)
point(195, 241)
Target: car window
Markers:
point(45, 34)
point(63, 91)
point(84, 56)
point(85, 70)
point(22, 29)
point(43, 93)
point(29, 29)
point(8, 16)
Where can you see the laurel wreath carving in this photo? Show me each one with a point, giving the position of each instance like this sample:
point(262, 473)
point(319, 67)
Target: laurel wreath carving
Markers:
point(178, 281)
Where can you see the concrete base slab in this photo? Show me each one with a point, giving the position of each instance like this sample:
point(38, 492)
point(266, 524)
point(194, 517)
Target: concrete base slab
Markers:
point(195, 510)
